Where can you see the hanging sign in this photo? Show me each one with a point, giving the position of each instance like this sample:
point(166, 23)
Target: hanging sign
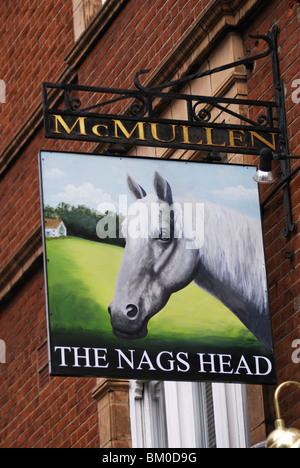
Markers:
point(130, 116)
point(136, 124)
point(155, 270)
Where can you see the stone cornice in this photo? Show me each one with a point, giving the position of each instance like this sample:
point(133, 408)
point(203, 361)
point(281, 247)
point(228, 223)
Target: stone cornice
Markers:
point(106, 386)
point(213, 24)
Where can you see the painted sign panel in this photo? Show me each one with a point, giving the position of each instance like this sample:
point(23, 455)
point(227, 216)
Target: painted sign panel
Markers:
point(154, 269)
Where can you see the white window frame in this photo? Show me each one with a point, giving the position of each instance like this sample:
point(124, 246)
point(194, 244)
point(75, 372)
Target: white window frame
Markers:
point(144, 415)
point(183, 419)
point(231, 415)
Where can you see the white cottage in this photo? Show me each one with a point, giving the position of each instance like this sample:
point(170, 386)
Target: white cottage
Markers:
point(55, 227)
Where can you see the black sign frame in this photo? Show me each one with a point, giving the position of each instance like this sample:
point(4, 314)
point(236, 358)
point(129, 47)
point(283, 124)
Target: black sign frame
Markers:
point(125, 117)
point(89, 352)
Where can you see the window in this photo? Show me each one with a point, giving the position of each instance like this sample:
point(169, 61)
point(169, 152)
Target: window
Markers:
point(188, 415)
point(148, 414)
point(205, 423)
point(84, 11)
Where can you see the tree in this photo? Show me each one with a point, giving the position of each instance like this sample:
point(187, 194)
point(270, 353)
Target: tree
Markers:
point(82, 221)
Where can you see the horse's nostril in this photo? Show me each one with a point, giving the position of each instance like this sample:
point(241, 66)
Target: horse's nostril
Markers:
point(131, 311)
point(109, 310)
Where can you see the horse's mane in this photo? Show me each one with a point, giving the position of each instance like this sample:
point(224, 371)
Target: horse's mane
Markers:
point(229, 242)
point(233, 251)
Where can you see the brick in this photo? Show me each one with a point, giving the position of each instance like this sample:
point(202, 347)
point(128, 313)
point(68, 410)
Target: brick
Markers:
point(283, 278)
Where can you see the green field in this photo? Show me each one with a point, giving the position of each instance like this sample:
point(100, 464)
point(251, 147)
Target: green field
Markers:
point(81, 278)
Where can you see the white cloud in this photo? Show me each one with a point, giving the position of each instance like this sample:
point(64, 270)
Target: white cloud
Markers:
point(236, 192)
point(54, 173)
point(85, 194)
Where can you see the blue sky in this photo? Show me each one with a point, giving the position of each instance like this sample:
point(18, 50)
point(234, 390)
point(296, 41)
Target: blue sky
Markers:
point(93, 180)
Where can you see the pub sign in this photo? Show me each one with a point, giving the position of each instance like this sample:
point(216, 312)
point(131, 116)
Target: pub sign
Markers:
point(154, 269)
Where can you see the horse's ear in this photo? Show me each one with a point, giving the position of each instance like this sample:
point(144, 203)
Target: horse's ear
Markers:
point(135, 189)
point(163, 189)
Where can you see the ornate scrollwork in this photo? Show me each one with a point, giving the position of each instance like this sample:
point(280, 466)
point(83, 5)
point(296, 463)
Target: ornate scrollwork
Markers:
point(75, 104)
point(203, 115)
point(138, 109)
point(264, 120)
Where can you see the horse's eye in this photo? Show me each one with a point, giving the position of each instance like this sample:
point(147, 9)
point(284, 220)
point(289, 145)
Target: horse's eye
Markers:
point(164, 235)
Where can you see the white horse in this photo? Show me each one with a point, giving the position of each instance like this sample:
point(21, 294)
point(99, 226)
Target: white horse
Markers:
point(224, 257)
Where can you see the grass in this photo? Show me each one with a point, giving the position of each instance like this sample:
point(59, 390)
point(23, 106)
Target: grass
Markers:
point(81, 278)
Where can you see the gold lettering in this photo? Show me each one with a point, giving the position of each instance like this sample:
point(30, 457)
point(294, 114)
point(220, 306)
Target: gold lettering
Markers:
point(233, 138)
point(80, 120)
point(271, 145)
point(139, 125)
point(96, 132)
point(185, 131)
point(209, 138)
point(155, 136)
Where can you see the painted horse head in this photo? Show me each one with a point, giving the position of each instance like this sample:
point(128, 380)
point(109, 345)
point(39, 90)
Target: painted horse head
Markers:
point(168, 247)
point(156, 260)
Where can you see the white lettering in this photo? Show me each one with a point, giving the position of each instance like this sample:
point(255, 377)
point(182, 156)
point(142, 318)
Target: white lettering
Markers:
point(107, 226)
point(296, 93)
point(182, 361)
point(210, 363)
point(143, 221)
point(2, 92)
point(62, 354)
point(99, 357)
point(167, 361)
point(164, 361)
point(86, 357)
point(170, 457)
point(194, 224)
point(121, 355)
point(2, 352)
point(116, 458)
point(222, 363)
point(243, 365)
point(296, 354)
point(257, 367)
point(170, 361)
point(145, 360)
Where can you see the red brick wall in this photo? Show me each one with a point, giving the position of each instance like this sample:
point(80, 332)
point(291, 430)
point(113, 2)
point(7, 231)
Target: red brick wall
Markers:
point(283, 274)
point(143, 37)
point(35, 37)
point(35, 410)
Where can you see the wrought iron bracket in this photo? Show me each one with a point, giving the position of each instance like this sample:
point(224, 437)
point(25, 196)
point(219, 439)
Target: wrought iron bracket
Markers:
point(132, 117)
point(284, 149)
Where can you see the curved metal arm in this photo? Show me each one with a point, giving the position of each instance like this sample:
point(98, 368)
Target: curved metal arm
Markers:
point(276, 396)
point(284, 181)
point(268, 38)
